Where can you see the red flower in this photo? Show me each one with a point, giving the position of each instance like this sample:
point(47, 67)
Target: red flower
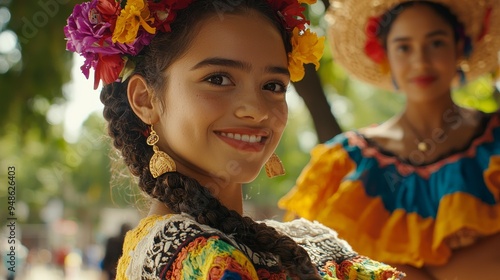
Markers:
point(290, 12)
point(373, 47)
point(375, 51)
point(486, 24)
point(294, 17)
point(109, 10)
point(165, 12)
point(108, 68)
point(372, 27)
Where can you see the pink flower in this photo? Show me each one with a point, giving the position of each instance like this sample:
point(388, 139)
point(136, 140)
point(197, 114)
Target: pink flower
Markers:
point(85, 30)
point(89, 32)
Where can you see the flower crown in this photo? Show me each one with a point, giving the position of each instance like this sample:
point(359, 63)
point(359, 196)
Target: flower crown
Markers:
point(108, 33)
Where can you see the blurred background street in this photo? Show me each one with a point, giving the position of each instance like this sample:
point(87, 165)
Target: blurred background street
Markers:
point(46, 272)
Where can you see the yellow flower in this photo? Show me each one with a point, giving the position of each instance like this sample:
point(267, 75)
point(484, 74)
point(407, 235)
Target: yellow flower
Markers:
point(306, 48)
point(134, 15)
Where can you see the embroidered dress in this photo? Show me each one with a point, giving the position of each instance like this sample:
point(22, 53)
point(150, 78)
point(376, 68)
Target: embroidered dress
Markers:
point(396, 212)
point(177, 247)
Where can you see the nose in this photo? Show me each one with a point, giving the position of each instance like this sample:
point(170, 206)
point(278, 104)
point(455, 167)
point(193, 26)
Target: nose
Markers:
point(252, 106)
point(421, 58)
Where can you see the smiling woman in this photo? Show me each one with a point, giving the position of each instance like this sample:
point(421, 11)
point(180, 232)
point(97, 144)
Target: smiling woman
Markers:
point(195, 102)
point(236, 86)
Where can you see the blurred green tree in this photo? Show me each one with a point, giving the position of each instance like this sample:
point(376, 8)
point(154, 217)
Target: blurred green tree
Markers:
point(33, 62)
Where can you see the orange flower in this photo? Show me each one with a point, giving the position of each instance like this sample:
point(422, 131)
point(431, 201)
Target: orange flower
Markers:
point(134, 15)
point(306, 48)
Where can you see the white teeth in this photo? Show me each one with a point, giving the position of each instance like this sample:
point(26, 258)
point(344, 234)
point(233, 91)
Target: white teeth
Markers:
point(244, 137)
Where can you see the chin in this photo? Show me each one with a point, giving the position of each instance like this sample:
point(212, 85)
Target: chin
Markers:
point(246, 178)
point(247, 175)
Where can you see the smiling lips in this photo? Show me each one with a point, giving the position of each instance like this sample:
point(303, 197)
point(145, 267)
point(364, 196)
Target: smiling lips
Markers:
point(252, 142)
point(424, 80)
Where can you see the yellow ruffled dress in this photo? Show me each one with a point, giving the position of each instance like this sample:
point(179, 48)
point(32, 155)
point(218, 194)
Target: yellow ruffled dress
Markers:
point(396, 212)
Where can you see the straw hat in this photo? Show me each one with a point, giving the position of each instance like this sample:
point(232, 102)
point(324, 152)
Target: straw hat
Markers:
point(348, 19)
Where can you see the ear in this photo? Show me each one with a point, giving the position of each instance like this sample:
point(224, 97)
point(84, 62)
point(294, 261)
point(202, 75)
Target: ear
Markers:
point(142, 100)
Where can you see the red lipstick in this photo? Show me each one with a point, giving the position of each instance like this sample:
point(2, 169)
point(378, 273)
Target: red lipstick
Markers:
point(424, 80)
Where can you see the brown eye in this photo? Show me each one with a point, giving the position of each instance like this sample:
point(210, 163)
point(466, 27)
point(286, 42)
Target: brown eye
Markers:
point(403, 48)
point(437, 43)
point(219, 79)
point(275, 87)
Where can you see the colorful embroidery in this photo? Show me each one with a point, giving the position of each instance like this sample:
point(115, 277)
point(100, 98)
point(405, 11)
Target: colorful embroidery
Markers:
point(176, 247)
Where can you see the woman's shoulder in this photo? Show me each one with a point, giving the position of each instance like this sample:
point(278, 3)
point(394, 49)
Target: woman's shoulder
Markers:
point(333, 256)
point(344, 147)
point(321, 242)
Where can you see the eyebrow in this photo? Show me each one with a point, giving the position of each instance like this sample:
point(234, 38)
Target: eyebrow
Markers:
point(431, 34)
point(217, 61)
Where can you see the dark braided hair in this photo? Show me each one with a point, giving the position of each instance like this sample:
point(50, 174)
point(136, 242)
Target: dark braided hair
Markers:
point(178, 192)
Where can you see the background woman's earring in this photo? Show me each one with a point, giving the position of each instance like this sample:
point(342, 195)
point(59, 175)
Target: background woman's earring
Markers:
point(461, 76)
point(394, 83)
point(274, 166)
point(160, 162)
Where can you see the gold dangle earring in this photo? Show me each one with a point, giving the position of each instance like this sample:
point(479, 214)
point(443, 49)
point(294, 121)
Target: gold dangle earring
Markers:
point(274, 166)
point(160, 162)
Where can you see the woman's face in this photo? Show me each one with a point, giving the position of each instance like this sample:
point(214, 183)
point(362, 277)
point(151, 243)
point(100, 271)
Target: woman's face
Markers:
point(224, 107)
point(422, 53)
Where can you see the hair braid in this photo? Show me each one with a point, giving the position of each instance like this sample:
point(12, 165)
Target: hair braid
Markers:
point(184, 194)
point(127, 132)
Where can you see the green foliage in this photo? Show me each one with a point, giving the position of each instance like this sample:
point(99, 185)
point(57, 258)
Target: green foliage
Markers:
point(44, 65)
point(39, 168)
point(47, 168)
point(478, 94)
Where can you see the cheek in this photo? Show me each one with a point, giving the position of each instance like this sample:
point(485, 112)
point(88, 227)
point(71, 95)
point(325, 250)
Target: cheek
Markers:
point(279, 117)
point(396, 63)
point(397, 68)
point(448, 62)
